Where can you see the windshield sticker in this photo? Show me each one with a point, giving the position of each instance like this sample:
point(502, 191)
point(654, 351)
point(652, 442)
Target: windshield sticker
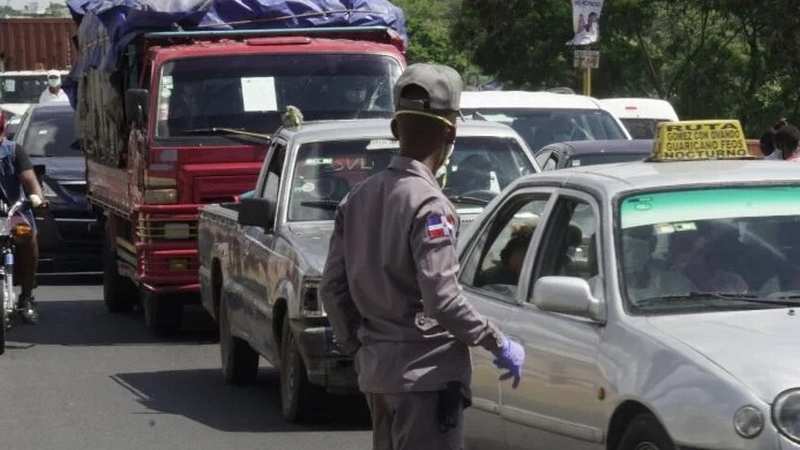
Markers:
point(576, 163)
point(319, 161)
point(383, 144)
point(258, 94)
point(43, 132)
point(308, 187)
point(10, 85)
point(682, 209)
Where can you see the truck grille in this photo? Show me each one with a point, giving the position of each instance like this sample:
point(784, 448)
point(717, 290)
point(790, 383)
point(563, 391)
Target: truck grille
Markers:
point(149, 229)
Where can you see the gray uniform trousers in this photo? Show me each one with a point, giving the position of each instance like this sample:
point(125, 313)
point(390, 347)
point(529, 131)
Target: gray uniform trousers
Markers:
point(409, 421)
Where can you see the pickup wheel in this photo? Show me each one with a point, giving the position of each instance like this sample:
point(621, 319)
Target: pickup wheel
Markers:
point(297, 393)
point(119, 293)
point(239, 360)
point(645, 433)
point(162, 314)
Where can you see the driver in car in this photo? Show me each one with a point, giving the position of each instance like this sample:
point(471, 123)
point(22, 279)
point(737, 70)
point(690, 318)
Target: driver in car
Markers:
point(17, 178)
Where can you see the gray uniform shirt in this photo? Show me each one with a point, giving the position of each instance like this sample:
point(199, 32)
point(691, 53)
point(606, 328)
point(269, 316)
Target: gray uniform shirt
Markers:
point(390, 284)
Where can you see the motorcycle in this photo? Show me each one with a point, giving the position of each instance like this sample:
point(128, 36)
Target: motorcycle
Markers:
point(12, 224)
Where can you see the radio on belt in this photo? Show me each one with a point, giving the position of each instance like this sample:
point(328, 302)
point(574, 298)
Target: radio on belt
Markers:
point(700, 140)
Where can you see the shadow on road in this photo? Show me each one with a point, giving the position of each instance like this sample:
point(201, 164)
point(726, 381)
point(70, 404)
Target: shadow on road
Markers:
point(201, 395)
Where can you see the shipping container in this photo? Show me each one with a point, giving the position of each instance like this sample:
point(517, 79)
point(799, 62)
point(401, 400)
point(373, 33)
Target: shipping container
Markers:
point(37, 43)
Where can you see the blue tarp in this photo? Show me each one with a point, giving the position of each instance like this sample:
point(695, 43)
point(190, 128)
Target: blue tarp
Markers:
point(124, 20)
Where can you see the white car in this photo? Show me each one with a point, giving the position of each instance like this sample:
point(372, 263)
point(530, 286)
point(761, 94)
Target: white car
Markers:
point(641, 115)
point(20, 89)
point(542, 118)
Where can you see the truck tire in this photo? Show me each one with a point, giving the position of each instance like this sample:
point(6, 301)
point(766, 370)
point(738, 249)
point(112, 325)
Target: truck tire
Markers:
point(645, 433)
point(162, 313)
point(298, 395)
point(239, 360)
point(119, 293)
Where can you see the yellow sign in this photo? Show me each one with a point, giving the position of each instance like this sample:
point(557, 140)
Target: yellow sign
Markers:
point(700, 140)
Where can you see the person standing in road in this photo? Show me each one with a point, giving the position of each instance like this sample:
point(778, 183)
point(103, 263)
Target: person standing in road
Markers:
point(390, 285)
point(53, 93)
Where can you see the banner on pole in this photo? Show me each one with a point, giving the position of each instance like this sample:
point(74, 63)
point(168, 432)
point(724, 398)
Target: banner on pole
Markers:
point(586, 21)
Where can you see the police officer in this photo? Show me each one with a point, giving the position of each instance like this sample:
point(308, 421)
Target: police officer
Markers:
point(390, 284)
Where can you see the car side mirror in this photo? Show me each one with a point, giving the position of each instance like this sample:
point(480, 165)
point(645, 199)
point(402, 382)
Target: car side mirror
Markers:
point(136, 102)
point(568, 295)
point(257, 212)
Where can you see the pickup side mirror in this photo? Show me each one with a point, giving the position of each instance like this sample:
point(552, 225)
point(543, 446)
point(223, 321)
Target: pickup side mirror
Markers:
point(136, 102)
point(568, 295)
point(257, 212)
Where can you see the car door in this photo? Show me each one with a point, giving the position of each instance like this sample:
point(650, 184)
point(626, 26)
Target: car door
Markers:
point(559, 404)
point(490, 277)
point(258, 256)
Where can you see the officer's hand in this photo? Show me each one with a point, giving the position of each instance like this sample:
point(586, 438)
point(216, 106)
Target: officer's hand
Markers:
point(511, 357)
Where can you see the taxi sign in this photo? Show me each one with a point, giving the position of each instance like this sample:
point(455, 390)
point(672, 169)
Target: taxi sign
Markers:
point(700, 140)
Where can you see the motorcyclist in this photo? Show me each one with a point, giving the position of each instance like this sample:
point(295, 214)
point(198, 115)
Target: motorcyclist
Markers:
point(17, 178)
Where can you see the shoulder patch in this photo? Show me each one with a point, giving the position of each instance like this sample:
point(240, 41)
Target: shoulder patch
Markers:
point(440, 226)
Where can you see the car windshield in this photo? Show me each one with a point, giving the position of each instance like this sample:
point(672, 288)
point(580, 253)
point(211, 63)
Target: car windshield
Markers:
point(51, 133)
point(22, 88)
point(251, 93)
point(541, 127)
point(710, 249)
point(592, 159)
point(642, 128)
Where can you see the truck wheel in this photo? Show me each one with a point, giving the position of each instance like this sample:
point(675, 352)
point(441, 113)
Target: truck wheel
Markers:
point(239, 360)
point(297, 393)
point(645, 433)
point(162, 314)
point(119, 293)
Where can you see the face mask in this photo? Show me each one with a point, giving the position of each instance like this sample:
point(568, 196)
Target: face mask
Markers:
point(54, 82)
point(441, 172)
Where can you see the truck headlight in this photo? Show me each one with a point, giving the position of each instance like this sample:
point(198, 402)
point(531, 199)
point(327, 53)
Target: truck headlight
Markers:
point(310, 305)
point(786, 414)
point(748, 422)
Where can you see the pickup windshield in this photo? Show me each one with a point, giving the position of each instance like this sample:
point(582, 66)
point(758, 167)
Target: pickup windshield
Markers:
point(22, 88)
point(479, 168)
point(251, 92)
point(711, 249)
point(541, 127)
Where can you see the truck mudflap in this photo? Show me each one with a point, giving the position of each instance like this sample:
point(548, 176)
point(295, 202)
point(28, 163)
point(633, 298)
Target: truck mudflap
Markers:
point(325, 366)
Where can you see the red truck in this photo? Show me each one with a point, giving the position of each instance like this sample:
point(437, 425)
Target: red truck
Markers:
point(188, 124)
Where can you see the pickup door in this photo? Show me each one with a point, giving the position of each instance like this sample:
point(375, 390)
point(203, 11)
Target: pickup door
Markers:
point(261, 267)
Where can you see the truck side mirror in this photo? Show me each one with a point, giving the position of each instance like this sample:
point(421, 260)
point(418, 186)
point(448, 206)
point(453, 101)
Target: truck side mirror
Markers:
point(257, 212)
point(136, 101)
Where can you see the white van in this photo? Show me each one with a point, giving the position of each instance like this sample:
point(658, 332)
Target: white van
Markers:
point(641, 115)
point(542, 118)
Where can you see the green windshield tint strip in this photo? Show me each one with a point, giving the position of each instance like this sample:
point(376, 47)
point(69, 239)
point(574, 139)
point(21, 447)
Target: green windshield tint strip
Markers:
point(709, 204)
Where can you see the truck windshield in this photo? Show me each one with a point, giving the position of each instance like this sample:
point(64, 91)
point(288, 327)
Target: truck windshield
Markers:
point(540, 127)
point(710, 249)
point(479, 168)
point(252, 92)
point(22, 88)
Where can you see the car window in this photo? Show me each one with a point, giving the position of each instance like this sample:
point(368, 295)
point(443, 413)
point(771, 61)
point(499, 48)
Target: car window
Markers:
point(496, 260)
point(23, 129)
point(570, 242)
point(51, 134)
point(271, 183)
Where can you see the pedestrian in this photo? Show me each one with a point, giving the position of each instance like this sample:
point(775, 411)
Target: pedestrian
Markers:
point(53, 93)
point(390, 284)
point(787, 141)
point(767, 141)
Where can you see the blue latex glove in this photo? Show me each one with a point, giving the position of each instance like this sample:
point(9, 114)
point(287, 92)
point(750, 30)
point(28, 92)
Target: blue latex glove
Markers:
point(511, 357)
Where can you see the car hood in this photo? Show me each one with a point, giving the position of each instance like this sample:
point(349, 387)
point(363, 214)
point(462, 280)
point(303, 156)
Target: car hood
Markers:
point(310, 244)
point(16, 109)
point(759, 348)
point(68, 168)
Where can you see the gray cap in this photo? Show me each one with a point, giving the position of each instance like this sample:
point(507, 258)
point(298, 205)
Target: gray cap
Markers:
point(442, 83)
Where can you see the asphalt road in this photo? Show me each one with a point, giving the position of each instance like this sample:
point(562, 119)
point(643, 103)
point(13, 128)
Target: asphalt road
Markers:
point(86, 379)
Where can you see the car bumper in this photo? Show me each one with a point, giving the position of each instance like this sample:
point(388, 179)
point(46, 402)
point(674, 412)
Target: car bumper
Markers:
point(326, 367)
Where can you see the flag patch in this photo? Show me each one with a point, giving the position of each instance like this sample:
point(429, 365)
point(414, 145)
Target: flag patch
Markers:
point(439, 226)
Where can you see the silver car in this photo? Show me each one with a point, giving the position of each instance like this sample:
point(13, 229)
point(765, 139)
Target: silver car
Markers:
point(657, 303)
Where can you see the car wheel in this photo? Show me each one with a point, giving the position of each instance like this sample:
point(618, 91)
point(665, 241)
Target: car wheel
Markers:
point(162, 314)
point(645, 433)
point(297, 393)
point(119, 293)
point(239, 360)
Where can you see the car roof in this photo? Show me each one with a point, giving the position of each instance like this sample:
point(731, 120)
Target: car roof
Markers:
point(526, 100)
point(613, 179)
point(618, 146)
point(634, 108)
point(381, 128)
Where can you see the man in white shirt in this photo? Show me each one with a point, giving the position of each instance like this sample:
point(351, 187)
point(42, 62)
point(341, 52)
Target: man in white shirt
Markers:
point(53, 93)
